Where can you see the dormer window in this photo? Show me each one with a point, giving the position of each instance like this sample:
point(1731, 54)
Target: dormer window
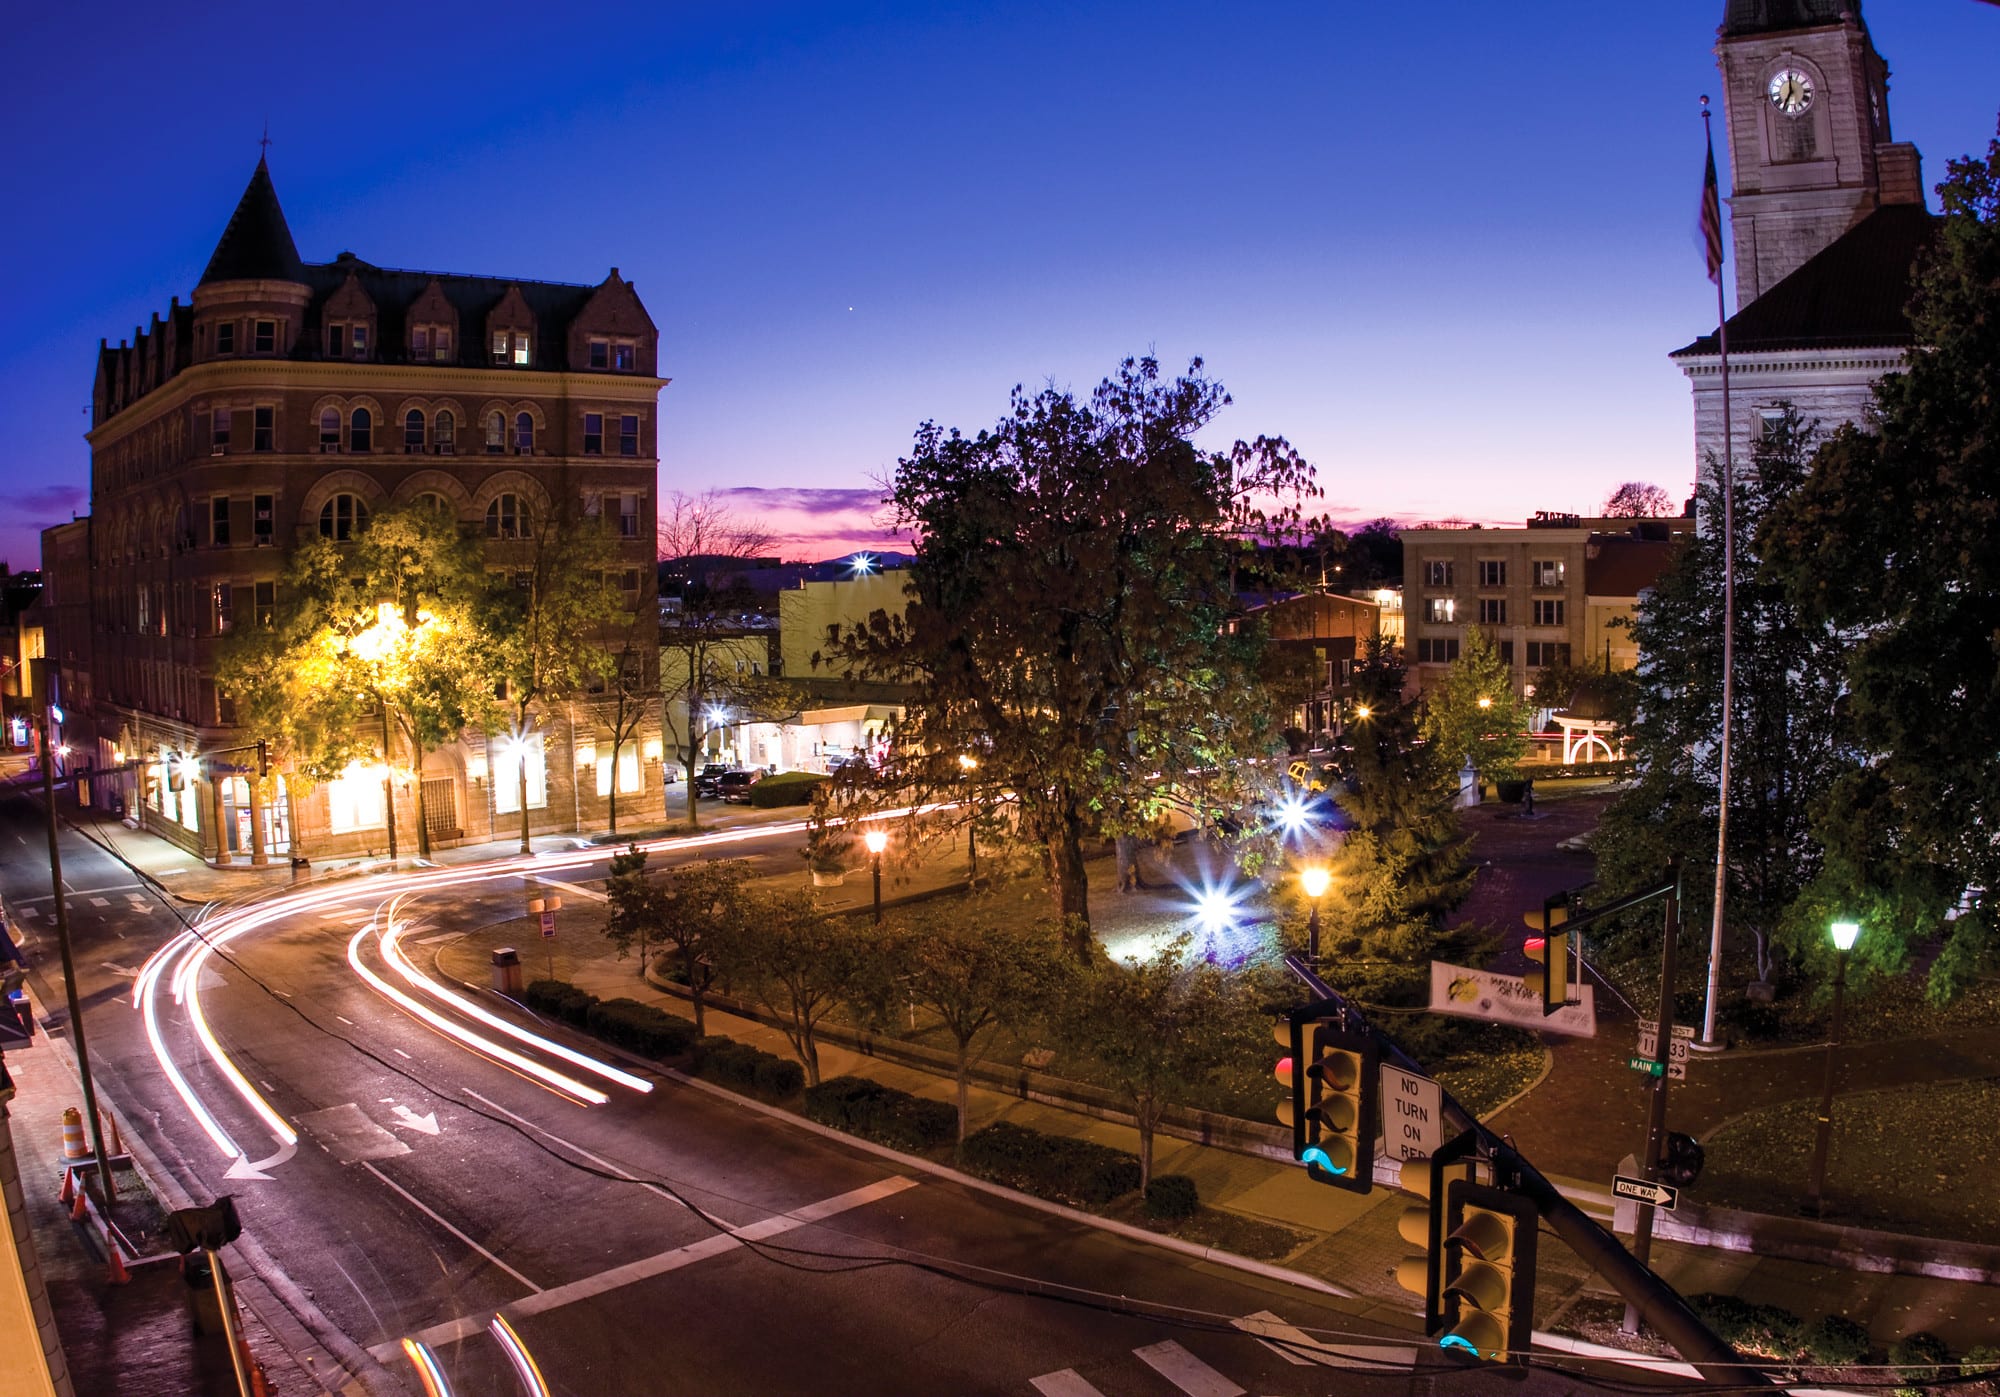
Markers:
point(624, 356)
point(600, 354)
point(520, 347)
point(225, 337)
point(361, 341)
point(266, 340)
point(329, 432)
point(336, 341)
point(441, 343)
point(420, 342)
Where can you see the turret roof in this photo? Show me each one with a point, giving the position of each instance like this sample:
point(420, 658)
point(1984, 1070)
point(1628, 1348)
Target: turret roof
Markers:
point(257, 245)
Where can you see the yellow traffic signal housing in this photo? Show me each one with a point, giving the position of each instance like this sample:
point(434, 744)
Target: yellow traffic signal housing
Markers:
point(1422, 1226)
point(1488, 1272)
point(1335, 1080)
point(1548, 978)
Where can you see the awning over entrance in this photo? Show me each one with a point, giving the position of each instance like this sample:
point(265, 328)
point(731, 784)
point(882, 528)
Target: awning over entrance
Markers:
point(850, 713)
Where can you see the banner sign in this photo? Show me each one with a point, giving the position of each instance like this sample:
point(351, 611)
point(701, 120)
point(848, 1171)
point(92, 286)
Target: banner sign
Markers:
point(1482, 994)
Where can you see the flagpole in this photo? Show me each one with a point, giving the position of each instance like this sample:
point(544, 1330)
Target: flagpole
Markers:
point(1708, 1038)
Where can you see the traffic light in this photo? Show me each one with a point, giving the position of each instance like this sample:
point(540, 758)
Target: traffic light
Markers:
point(1422, 1225)
point(1548, 978)
point(1334, 1081)
point(1488, 1270)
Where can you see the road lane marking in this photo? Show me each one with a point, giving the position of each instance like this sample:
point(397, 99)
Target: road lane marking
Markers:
point(599, 1160)
point(1066, 1383)
point(542, 1301)
point(1297, 1346)
point(423, 1208)
point(1185, 1371)
point(100, 902)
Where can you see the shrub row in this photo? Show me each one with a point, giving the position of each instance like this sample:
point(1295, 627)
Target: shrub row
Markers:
point(561, 1000)
point(882, 1113)
point(749, 1069)
point(1172, 1196)
point(785, 788)
point(1772, 1331)
point(645, 1029)
point(1050, 1166)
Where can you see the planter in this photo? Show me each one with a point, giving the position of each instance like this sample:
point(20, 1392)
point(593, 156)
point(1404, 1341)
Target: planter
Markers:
point(829, 877)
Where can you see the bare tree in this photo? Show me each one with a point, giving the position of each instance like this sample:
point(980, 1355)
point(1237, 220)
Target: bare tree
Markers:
point(1638, 499)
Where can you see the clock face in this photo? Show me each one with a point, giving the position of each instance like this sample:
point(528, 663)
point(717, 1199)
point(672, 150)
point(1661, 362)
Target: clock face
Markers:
point(1791, 91)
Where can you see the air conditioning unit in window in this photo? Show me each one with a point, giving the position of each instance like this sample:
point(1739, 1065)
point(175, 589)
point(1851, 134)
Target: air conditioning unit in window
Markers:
point(219, 449)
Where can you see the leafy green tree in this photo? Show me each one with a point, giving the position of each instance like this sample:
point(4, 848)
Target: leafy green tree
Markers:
point(1070, 614)
point(799, 963)
point(1786, 745)
point(1161, 1030)
point(1473, 714)
point(690, 908)
point(1895, 540)
point(637, 907)
point(976, 972)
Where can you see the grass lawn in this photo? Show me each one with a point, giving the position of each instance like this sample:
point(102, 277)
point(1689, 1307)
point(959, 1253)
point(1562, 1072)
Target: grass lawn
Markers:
point(1902, 1160)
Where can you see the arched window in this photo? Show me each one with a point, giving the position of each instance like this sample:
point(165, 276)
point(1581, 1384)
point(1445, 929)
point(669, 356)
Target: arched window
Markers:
point(413, 432)
point(343, 516)
point(361, 430)
point(434, 502)
point(524, 434)
point(329, 430)
point(496, 433)
point(506, 519)
point(445, 432)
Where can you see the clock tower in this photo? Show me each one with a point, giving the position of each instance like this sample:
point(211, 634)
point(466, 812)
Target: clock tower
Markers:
point(1806, 97)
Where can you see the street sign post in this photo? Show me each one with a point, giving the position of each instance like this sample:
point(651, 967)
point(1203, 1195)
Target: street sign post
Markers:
point(1412, 1114)
point(1677, 1049)
point(1645, 1191)
point(548, 924)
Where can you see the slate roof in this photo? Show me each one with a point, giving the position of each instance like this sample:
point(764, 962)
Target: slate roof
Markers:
point(1765, 16)
point(256, 244)
point(1851, 294)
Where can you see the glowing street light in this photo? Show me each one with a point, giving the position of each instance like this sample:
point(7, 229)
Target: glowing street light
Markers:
point(967, 763)
point(1844, 935)
point(877, 840)
point(1362, 711)
point(1314, 881)
point(861, 564)
point(1485, 702)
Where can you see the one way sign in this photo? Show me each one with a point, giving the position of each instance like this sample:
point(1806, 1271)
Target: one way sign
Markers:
point(1645, 1191)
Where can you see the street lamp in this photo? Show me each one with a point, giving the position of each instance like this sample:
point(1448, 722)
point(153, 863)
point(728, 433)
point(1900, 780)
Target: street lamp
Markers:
point(1485, 702)
point(1314, 880)
point(1844, 935)
point(877, 840)
point(967, 763)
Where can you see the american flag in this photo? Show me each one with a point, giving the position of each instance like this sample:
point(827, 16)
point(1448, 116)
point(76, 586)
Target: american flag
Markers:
point(1711, 217)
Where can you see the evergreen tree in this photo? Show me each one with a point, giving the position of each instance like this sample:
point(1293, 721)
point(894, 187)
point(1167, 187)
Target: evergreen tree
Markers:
point(1473, 714)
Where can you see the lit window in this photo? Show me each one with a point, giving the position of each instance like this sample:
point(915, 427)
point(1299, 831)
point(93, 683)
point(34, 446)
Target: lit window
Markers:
point(600, 354)
point(263, 429)
point(354, 801)
point(622, 357)
point(505, 518)
point(225, 608)
point(496, 433)
point(443, 343)
point(413, 432)
point(445, 433)
point(361, 341)
point(499, 346)
point(361, 430)
point(507, 774)
point(1548, 572)
point(341, 517)
point(520, 348)
point(329, 431)
point(593, 434)
point(628, 771)
point(628, 435)
point(524, 434)
point(1440, 609)
point(267, 336)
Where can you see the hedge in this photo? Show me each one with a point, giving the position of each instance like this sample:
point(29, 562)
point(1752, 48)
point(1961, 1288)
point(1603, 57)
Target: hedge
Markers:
point(1050, 1166)
point(559, 999)
point(645, 1029)
point(1172, 1196)
point(785, 788)
point(748, 1069)
point(882, 1113)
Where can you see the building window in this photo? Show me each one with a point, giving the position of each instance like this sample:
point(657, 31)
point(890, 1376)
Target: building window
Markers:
point(628, 435)
point(600, 355)
point(361, 430)
point(264, 429)
point(264, 599)
point(1437, 651)
point(225, 337)
point(420, 342)
point(1548, 572)
point(225, 608)
point(1437, 573)
point(622, 357)
point(628, 771)
point(1492, 611)
point(524, 434)
point(336, 341)
point(442, 343)
point(413, 433)
point(499, 346)
point(1507, 653)
point(444, 432)
point(1442, 609)
point(1549, 613)
point(1492, 573)
point(329, 431)
point(218, 521)
point(361, 341)
point(508, 777)
point(221, 439)
point(341, 517)
point(261, 519)
point(496, 433)
point(593, 434)
point(1543, 653)
point(433, 501)
point(353, 802)
point(506, 519)
point(628, 516)
point(267, 336)
point(520, 347)
point(628, 583)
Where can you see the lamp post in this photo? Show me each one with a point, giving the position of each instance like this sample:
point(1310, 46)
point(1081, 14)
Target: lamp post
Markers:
point(1844, 935)
point(1314, 880)
point(876, 840)
point(967, 763)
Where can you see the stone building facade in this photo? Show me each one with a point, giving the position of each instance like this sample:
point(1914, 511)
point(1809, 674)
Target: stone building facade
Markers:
point(292, 400)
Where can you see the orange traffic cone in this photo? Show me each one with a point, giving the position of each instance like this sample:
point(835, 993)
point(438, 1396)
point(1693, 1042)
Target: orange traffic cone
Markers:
point(115, 1264)
point(68, 1194)
point(115, 1142)
point(74, 1145)
point(82, 1204)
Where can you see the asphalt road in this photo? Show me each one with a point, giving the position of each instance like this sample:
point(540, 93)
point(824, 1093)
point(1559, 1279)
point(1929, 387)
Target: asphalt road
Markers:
point(433, 1187)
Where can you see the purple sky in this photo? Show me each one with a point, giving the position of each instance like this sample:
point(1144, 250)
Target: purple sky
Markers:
point(1443, 248)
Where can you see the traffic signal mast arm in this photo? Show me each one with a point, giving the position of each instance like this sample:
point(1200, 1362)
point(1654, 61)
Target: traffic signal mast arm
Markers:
point(1657, 1302)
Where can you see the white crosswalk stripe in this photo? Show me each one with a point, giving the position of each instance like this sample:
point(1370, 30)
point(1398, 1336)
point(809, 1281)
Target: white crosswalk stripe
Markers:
point(1066, 1383)
point(1297, 1346)
point(1185, 1371)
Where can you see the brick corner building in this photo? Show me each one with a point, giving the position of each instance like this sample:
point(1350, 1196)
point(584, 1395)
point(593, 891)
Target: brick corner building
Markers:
point(292, 400)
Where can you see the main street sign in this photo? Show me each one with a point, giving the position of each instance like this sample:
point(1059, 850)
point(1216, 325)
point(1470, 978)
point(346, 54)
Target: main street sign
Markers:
point(1645, 1191)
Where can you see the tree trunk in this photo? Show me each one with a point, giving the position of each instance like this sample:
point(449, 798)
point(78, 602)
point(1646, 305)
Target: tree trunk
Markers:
point(808, 1050)
point(1144, 1116)
point(615, 745)
point(522, 748)
point(964, 1088)
point(1071, 885)
point(695, 992)
point(423, 824)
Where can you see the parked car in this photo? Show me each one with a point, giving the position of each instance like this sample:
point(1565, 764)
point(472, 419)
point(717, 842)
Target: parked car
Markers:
point(705, 781)
point(734, 786)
